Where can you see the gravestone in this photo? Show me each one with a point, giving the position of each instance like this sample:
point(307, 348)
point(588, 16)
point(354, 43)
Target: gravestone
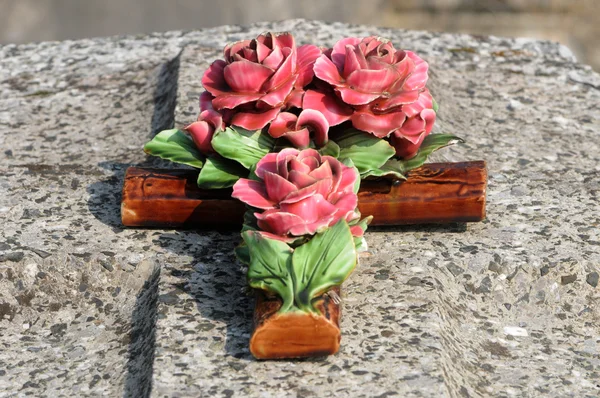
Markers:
point(504, 307)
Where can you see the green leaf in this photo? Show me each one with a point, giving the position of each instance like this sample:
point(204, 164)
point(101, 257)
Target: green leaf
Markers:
point(330, 149)
point(435, 105)
point(269, 268)
point(220, 173)
point(360, 244)
point(250, 221)
point(324, 261)
point(431, 143)
point(393, 169)
point(176, 146)
point(366, 151)
point(242, 252)
point(244, 146)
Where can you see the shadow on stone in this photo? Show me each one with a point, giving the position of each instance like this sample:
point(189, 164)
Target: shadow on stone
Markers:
point(165, 96)
point(445, 228)
point(216, 282)
point(142, 339)
point(105, 196)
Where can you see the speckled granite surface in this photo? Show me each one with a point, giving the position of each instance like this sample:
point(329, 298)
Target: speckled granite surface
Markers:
point(506, 307)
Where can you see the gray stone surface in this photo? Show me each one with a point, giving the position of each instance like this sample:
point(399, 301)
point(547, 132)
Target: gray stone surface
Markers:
point(506, 307)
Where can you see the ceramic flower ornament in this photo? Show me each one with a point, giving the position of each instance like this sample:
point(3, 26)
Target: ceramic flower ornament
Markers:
point(381, 90)
point(260, 77)
point(294, 130)
point(300, 193)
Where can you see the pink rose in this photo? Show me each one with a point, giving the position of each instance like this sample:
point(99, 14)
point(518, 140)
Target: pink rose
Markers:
point(300, 193)
point(258, 78)
point(381, 90)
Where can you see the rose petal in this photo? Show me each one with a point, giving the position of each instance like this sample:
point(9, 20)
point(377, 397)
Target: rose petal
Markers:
point(321, 187)
point(357, 231)
point(317, 123)
point(273, 60)
point(262, 51)
point(429, 116)
point(369, 44)
point(301, 180)
point(405, 148)
point(323, 171)
point(201, 133)
point(283, 73)
point(336, 170)
point(278, 222)
point(353, 97)
point(418, 77)
point(371, 81)
point(347, 180)
point(284, 39)
point(283, 123)
point(277, 97)
point(401, 98)
point(283, 158)
point(311, 162)
point(379, 125)
point(213, 117)
point(206, 99)
point(326, 70)
point(232, 100)
point(299, 138)
point(254, 121)
point(246, 77)
point(267, 164)
point(213, 79)
point(338, 53)
point(307, 55)
point(312, 228)
point(355, 60)
point(412, 127)
point(310, 209)
point(335, 111)
point(344, 205)
point(250, 54)
point(277, 187)
point(235, 48)
point(425, 101)
point(294, 100)
point(296, 165)
point(309, 153)
point(252, 193)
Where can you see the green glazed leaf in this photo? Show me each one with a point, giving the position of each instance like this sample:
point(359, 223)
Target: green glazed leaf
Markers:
point(270, 265)
point(330, 149)
point(360, 244)
point(393, 169)
point(435, 105)
point(176, 146)
point(220, 173)
point(244, 146)
point(431, 143)
point(366, 151)
point(250, 222)
point(324, 261)
point(242, 252)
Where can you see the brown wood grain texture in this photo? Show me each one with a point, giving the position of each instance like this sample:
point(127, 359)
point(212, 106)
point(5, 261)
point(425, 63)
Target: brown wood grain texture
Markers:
point(433, 193)
point(295, 334)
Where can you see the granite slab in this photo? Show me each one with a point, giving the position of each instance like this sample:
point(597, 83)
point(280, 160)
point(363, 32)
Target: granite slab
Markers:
point(506, 307)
